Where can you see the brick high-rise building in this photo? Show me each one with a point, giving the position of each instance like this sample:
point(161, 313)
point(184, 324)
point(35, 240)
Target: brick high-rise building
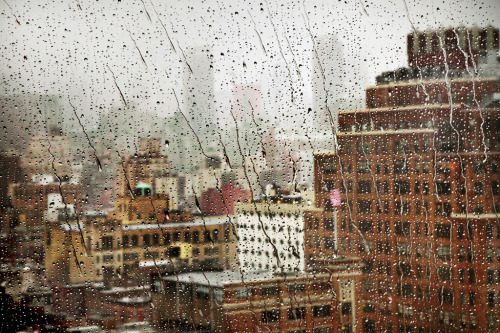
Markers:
point(418, 174)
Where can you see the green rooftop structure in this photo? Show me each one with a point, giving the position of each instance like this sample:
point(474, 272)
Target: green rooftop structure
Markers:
point(143, 190)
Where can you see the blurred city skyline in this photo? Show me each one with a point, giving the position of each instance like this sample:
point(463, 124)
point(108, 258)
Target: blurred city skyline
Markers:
point(63, 50)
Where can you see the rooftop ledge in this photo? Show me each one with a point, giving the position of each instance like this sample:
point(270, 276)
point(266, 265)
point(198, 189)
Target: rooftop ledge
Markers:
point(455, 107)
point(432, 81)
point(325, 152)
point(404, 108)
point(402, 131)
point(476, 216)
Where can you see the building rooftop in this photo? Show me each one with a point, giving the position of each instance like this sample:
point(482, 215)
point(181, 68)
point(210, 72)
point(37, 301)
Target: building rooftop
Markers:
point(198, 221)
point(143, 185)
point(417, 81)
point(219, 279)
point(473, 216)
point(402, 108)
point(155, 263)
point(133, 301)
point(116, 290)
point(72, 226)
point(389, 131)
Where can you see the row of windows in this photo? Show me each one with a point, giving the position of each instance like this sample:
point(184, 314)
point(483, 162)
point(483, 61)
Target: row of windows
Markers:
point(281, 241)
point(403, 146)
point(405, 207)
point(406, 166)
point(466, 321)
point(402, 249)
point(282, 254)
point(270, 214)
point(443, 296)
point(369, 325)
point(167, 238)
point(442, 230)
point(403, 187)
point(406, 270)
point(273, 290)
point(325, 329)
point(172, 252)
point(299, 313)
point(273, 227)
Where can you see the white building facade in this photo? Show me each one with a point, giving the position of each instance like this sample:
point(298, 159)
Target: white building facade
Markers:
point(271, 235)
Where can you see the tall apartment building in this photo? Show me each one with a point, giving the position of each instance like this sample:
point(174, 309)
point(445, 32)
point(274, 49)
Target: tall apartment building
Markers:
point(418, 173)
point(147, 165)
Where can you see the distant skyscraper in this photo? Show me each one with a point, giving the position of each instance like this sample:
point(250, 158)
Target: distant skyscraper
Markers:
point(328, 77)
point(277, 92)
point(198, 80)
point(198, 104)
point(247, 100)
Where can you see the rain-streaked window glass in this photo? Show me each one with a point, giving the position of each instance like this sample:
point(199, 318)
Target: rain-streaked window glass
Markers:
point(272, 166)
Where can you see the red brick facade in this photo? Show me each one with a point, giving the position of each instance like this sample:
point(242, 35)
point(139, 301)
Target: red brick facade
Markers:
point(419, 179)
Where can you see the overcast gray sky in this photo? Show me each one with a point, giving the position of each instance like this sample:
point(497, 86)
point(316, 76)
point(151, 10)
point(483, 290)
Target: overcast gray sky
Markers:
point(58, 48)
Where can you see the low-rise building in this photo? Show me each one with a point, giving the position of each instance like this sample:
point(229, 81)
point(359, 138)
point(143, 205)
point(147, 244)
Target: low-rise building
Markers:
point(66, 257)
point(229, 301)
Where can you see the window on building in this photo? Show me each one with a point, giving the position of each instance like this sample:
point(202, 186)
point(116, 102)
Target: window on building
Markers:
point(402, 228)
point(296, 313)
point(365, 226)
point(321, 311)
point(443, 253)
point(402, 187)
point(270, 316)
point(363, 167)
point(269, 291)
point(146, 240)
point(368, 306)
point(174, 252)
point(107, 242)
point(400, 167)
point(196, 237)
point(364, 187)
point(478, 188)
point(443, 230)
point(369, 326)
point(125, 241)
point(364, 206)
point(443, 188)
